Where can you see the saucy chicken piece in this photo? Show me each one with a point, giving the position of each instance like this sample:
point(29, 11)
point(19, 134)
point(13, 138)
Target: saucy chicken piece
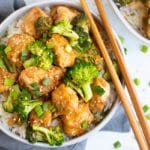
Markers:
point(65, 57)
point(37, 75)
point(99, 100)
point(18, 43)
point(4, 75)
point(44, 121)
point(65, 99)
point(76, 123)
point(59, 13)
point(28, 23)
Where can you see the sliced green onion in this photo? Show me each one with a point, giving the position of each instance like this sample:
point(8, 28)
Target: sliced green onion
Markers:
point(117, 144)
point(44, 35)
point(36, 93)
point(144, 49)
point(52, 108)
point(7, 49)
point(146, 108)
point(24, 55)
point(46, 81)
point(147, 116)
point(84, 124)
point(45, 106)
point(50, 46)
point(8, 82)
point(25, 95)
point(121, 39)
point(148, 21)
point(136, 81)
point(35, 85)
point(125, 50)
point(99, 90)
point(39, 111)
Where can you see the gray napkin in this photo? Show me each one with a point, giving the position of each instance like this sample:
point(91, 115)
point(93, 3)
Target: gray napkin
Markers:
point(118, 123)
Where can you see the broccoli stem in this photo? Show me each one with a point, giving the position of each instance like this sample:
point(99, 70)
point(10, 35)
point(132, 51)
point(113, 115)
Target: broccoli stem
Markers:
point(2, 65)
point(87, 91)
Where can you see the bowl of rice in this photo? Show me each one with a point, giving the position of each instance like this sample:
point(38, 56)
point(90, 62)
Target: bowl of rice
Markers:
point(134, 14)
point(55, 89)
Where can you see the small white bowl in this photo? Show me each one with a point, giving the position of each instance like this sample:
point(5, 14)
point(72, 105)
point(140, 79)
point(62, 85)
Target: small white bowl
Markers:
point(128, 26)
point(3, 27)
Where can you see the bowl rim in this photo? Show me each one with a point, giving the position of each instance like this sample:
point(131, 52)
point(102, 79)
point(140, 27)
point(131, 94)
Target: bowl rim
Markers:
point(126, 24)
point(11, 19)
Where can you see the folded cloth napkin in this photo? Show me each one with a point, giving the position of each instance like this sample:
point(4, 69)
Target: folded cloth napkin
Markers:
point(118, 123)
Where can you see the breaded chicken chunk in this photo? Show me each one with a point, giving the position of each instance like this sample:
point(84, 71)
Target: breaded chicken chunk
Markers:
point(18, 43)
point(99, 100)
point(65, 99)
point(64, 57)
point(33, 75)
point(76, 123)
point(59, 13)
point(28, 23)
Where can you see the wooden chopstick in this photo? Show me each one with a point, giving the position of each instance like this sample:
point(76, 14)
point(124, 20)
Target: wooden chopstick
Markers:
point(131, 117)
point(125, 74)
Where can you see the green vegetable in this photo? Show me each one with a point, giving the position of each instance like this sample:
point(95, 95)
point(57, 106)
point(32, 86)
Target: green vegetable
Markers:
point(136, 81)
point(84, 124)
point(39, 111)
point(46, 81)
point(117, 144)
point(42, 55)
point(24, 55)
point(45, 106)
point(125, 50)
point(53, 136)
point(24, 107)
point(121, 39)
point(99, 90)
point(12, 96)
point(9, 81)
point(146, 108)
point(80, 77)
point(124, 2)
point(35, 85)
point(4, 62)
point(144, 48)
point(64, 28)
point(52, 108)
point(81, 26)
point(148, 116)
point(7, 49)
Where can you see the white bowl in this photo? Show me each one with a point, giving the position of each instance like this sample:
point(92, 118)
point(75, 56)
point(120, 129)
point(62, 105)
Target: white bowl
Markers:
point(127, 25)
point(3, 27)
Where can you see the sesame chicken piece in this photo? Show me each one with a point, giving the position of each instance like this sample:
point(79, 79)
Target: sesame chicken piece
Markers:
point(28, 23)
point(18, 43)
point(64, 57)
point(5, 74)
point(65, 99)
point(59, 13)
point(76, 123)
point(97, 103)
point(37, 75)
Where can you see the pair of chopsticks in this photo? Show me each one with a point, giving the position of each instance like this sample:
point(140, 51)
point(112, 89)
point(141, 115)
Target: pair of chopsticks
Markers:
point(142, 134)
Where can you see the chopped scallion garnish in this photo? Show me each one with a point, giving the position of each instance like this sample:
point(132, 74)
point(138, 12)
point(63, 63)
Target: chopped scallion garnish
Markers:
point(99, 90)
point(24, 55)
point(121, 39)
point(84, 124)
point(136, 81)
point(35, 85)
point(125, 50)
point(117, 144)
point(148, 116)
point(52, 108)
point(8, 82)
point(7, 49)
point(144, 48)
point(46, 81)
point(39, 111)
point(146, 108)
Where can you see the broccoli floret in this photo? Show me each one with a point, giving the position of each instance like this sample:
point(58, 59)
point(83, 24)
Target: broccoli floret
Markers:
point(82, 21)
point(53, 136)
point(64, 28)
point(81, 75)
point(42, 55)
point(13, 95)
point(4, 62)
point(24, 107)
point(81, 26)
